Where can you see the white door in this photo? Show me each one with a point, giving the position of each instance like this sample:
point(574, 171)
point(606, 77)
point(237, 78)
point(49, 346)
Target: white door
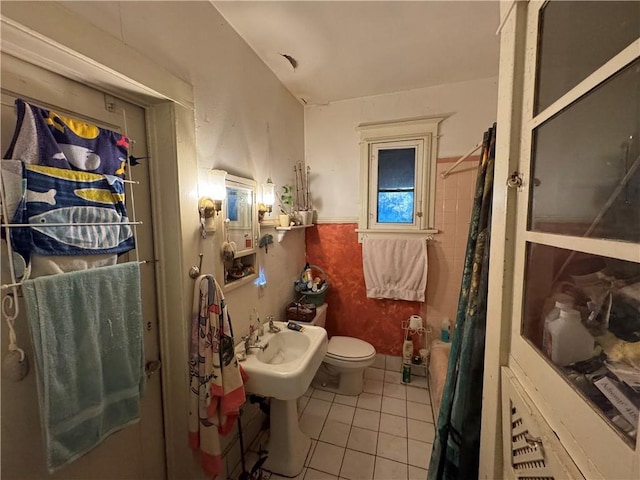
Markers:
point(136, 452)
point(577, 230)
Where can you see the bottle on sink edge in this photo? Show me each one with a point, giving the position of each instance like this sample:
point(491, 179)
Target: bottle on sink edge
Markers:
point(445, 330)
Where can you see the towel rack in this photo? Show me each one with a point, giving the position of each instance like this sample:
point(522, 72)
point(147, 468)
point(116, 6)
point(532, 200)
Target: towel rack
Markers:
point(8, 226)
point(362, 234)
point(6, 286)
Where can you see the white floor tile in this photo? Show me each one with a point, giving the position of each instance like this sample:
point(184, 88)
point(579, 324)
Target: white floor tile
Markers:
point(392, 377)
point(417, 395)
point(311, 424)
point(416, 473)
point(317, 475)
point(394, 406)
point(357, 465)
point(419, 411)
point(379, 361)
point(327, 458)
point(310, 454)
point(385, 433)
point(419, 453)
point(423, 431)
point(392, 447)
point(341, 413)
point(363, 440)
point(317, 407)
point(372, 386)
point(346, 399)
point(374, 374)
point(366, 419)
point(370, 401)
point(389, 470)
point(322, 395)
point(335, 433)
point(393, 363)
point(393, 425)
point(302, 403)
point(394, 390)
point(419, 382)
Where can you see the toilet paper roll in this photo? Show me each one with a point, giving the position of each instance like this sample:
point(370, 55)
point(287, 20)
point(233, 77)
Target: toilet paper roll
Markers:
point(415, 322)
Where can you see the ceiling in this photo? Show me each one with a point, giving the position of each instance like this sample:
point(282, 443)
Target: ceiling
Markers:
point(349, 49)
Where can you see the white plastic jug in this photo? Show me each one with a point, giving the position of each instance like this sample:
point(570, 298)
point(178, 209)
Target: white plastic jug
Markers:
point(563, 302)
point(570, 340)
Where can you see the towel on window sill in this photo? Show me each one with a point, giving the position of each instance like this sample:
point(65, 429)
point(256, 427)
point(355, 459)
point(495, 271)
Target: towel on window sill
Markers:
point(395, 268)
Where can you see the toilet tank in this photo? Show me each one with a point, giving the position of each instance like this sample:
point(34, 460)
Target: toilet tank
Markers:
point(321, 316)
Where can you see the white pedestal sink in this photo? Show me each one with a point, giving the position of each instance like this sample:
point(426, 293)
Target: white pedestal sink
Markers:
point(283, 371)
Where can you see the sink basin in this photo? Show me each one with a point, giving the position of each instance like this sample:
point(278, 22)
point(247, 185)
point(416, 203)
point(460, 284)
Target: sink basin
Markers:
point(285, 368)
point(283, 371)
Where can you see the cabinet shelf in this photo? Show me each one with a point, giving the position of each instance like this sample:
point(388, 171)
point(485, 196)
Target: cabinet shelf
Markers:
point(283, 230)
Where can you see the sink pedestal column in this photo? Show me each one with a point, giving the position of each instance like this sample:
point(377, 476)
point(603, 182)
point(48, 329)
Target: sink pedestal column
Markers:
point(288, 446)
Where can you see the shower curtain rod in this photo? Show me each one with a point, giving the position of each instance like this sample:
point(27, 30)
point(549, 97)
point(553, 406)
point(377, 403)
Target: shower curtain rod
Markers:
point(461, 159)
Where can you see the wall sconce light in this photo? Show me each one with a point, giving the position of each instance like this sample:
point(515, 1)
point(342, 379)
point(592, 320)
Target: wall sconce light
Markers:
point(213, 191)
point(268, 198)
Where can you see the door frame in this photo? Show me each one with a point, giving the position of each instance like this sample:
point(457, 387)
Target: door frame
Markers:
point(58, 40)
point(513, 16)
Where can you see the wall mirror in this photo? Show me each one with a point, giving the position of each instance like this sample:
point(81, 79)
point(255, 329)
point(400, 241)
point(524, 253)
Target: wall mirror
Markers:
point(241, 230)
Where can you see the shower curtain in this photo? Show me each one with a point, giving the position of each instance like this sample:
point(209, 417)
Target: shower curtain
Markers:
point(455, 453)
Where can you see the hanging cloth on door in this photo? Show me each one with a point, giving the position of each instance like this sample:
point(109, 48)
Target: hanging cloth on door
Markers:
point(216, 379)
point(43, 137)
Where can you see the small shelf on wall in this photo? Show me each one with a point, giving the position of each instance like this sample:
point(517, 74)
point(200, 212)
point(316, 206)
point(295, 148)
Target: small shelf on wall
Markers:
point(283, 230)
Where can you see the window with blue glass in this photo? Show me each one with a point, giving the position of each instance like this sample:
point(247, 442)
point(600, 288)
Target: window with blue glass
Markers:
point(397, 176)
point(396, 185)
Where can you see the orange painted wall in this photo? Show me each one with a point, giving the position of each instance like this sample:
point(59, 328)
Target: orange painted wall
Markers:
point(335, 248)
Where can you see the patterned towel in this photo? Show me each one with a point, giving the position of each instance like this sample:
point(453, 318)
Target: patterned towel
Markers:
point(216, 379)
point(43, 137)
point(56, 195)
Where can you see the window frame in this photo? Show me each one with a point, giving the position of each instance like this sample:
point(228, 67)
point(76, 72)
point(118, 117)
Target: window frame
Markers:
point(418, 191)
point(422, 133)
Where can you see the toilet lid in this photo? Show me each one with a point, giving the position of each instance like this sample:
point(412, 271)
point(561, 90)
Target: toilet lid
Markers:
point(349, 348)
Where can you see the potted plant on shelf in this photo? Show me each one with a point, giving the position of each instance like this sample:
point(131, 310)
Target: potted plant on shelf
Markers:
point(286, 206)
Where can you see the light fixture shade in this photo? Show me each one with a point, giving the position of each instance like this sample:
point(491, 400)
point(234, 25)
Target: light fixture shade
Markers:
point(268, 193)
point(217, 187)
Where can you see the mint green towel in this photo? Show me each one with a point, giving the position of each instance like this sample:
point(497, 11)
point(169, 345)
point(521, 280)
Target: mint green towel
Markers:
point(87, 336)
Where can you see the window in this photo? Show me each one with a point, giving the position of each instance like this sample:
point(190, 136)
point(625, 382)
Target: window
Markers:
point(398, 176)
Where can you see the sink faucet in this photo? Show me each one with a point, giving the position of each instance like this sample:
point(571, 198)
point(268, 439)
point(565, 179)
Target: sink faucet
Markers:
point(250, 344)
point(272, 327)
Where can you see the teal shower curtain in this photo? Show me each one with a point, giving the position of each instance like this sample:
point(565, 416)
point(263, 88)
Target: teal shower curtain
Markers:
point(455, 453)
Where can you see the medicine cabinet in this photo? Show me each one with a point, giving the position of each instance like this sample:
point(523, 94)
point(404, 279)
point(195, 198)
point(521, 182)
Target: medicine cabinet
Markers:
point(240, 231)
point(576, 131)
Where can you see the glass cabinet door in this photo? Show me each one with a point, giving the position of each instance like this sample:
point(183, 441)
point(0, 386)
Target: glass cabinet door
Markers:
point(576, 331)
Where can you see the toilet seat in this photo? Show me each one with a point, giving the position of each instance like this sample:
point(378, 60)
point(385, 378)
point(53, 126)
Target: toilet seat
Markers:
point(349, 349)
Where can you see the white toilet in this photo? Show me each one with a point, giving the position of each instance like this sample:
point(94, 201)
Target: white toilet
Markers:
point(342, 369)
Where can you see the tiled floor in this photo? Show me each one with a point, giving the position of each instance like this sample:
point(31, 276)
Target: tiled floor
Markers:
point(385, 433)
